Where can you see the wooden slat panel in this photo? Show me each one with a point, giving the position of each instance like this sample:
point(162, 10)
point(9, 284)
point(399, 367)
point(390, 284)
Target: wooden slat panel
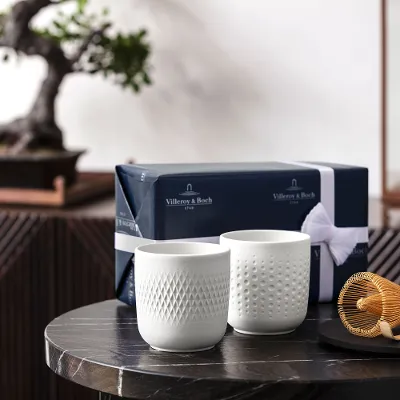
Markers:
point(47, 269)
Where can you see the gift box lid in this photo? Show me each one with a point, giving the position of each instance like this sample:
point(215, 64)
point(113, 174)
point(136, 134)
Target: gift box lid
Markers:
point(158, 170)
point(170, 201)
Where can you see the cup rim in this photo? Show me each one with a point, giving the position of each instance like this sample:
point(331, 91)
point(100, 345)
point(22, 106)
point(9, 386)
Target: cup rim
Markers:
point(213, 249)
point(293, 236)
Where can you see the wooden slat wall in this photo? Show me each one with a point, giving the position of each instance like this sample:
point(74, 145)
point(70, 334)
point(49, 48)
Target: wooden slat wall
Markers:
point(48, 266)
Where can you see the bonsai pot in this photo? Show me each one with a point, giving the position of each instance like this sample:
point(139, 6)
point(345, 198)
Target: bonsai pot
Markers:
point(38, 170)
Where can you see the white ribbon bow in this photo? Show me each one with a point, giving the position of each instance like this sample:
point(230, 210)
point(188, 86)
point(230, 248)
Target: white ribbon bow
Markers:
point(340, 241)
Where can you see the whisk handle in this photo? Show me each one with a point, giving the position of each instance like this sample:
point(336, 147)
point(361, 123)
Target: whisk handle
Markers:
point(387, 331)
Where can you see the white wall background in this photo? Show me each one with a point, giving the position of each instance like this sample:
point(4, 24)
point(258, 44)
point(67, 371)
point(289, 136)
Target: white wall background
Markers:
point(393, 89)
point(234, 81)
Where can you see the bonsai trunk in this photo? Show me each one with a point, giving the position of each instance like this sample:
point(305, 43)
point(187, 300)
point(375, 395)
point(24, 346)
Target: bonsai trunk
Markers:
point(38, 128)
point(42, 113)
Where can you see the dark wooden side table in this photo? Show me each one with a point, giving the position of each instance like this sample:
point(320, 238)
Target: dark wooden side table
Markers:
point(99, 347)
point(51, 261)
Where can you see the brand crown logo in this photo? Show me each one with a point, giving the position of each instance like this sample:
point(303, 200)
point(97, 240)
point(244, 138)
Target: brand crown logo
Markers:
point(294, 186)
point(189, 191)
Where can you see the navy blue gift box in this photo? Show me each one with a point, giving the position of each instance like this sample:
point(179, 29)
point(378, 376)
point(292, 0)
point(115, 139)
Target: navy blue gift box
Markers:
point(202, 201)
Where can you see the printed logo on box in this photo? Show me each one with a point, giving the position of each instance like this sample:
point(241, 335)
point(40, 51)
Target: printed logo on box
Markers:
point(124, 224)
point(293, 194)
point(189, 191)
point(359, 251)
point(316, 252)
point(189, 199)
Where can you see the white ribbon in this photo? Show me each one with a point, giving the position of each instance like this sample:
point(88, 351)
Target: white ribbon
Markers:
point(340, 241)
point(327, 176)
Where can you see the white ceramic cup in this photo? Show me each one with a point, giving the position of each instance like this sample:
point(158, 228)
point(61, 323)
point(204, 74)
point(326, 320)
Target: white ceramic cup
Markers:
point(270, 274)
point(182, 295)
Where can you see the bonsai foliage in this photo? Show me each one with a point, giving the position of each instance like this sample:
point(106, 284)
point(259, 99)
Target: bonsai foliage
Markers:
point(74, 42)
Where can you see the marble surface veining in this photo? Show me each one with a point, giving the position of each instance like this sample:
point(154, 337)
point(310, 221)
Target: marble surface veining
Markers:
point(99, 346)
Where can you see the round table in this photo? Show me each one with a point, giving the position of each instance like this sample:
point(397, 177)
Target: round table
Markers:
point(99, 347)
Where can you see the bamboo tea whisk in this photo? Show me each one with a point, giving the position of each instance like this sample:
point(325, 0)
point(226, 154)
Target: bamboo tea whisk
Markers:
point(366, 301)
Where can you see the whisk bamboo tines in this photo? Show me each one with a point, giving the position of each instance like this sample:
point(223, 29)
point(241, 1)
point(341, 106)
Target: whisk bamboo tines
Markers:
point(365, 300)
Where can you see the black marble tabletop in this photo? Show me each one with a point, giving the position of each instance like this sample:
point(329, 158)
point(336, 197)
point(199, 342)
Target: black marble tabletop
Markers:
point(99, 346)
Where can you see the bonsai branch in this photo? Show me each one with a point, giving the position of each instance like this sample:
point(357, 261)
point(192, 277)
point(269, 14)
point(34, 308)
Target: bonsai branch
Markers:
point(16, 133)
point(30, 132)
point(17, 35)
point(22, 143)
point(93, 35)
point(16, 22)
point(11, 128)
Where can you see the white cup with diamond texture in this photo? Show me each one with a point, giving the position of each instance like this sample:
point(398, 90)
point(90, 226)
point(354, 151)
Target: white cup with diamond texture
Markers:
point(182, 294)
point(270, 275)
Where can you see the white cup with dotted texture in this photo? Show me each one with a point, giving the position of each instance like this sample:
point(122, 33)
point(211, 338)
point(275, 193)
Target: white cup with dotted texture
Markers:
point(270, 279)
point(182, 294)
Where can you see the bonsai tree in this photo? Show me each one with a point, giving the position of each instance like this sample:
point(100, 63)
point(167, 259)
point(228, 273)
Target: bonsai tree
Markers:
point(74, 42)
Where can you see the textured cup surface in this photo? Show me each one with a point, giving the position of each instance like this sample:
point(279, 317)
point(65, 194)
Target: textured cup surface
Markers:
point(269, 284)
point(182, 294)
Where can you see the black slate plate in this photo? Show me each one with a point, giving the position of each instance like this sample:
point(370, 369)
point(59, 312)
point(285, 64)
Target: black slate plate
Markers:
point(334, 333)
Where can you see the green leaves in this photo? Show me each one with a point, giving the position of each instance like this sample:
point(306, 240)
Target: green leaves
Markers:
point(123, 57)
point(146, 78)
point(81, 5)
point(92, 47)
point(3, 16)
point(59, 26)
point(70, 27)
